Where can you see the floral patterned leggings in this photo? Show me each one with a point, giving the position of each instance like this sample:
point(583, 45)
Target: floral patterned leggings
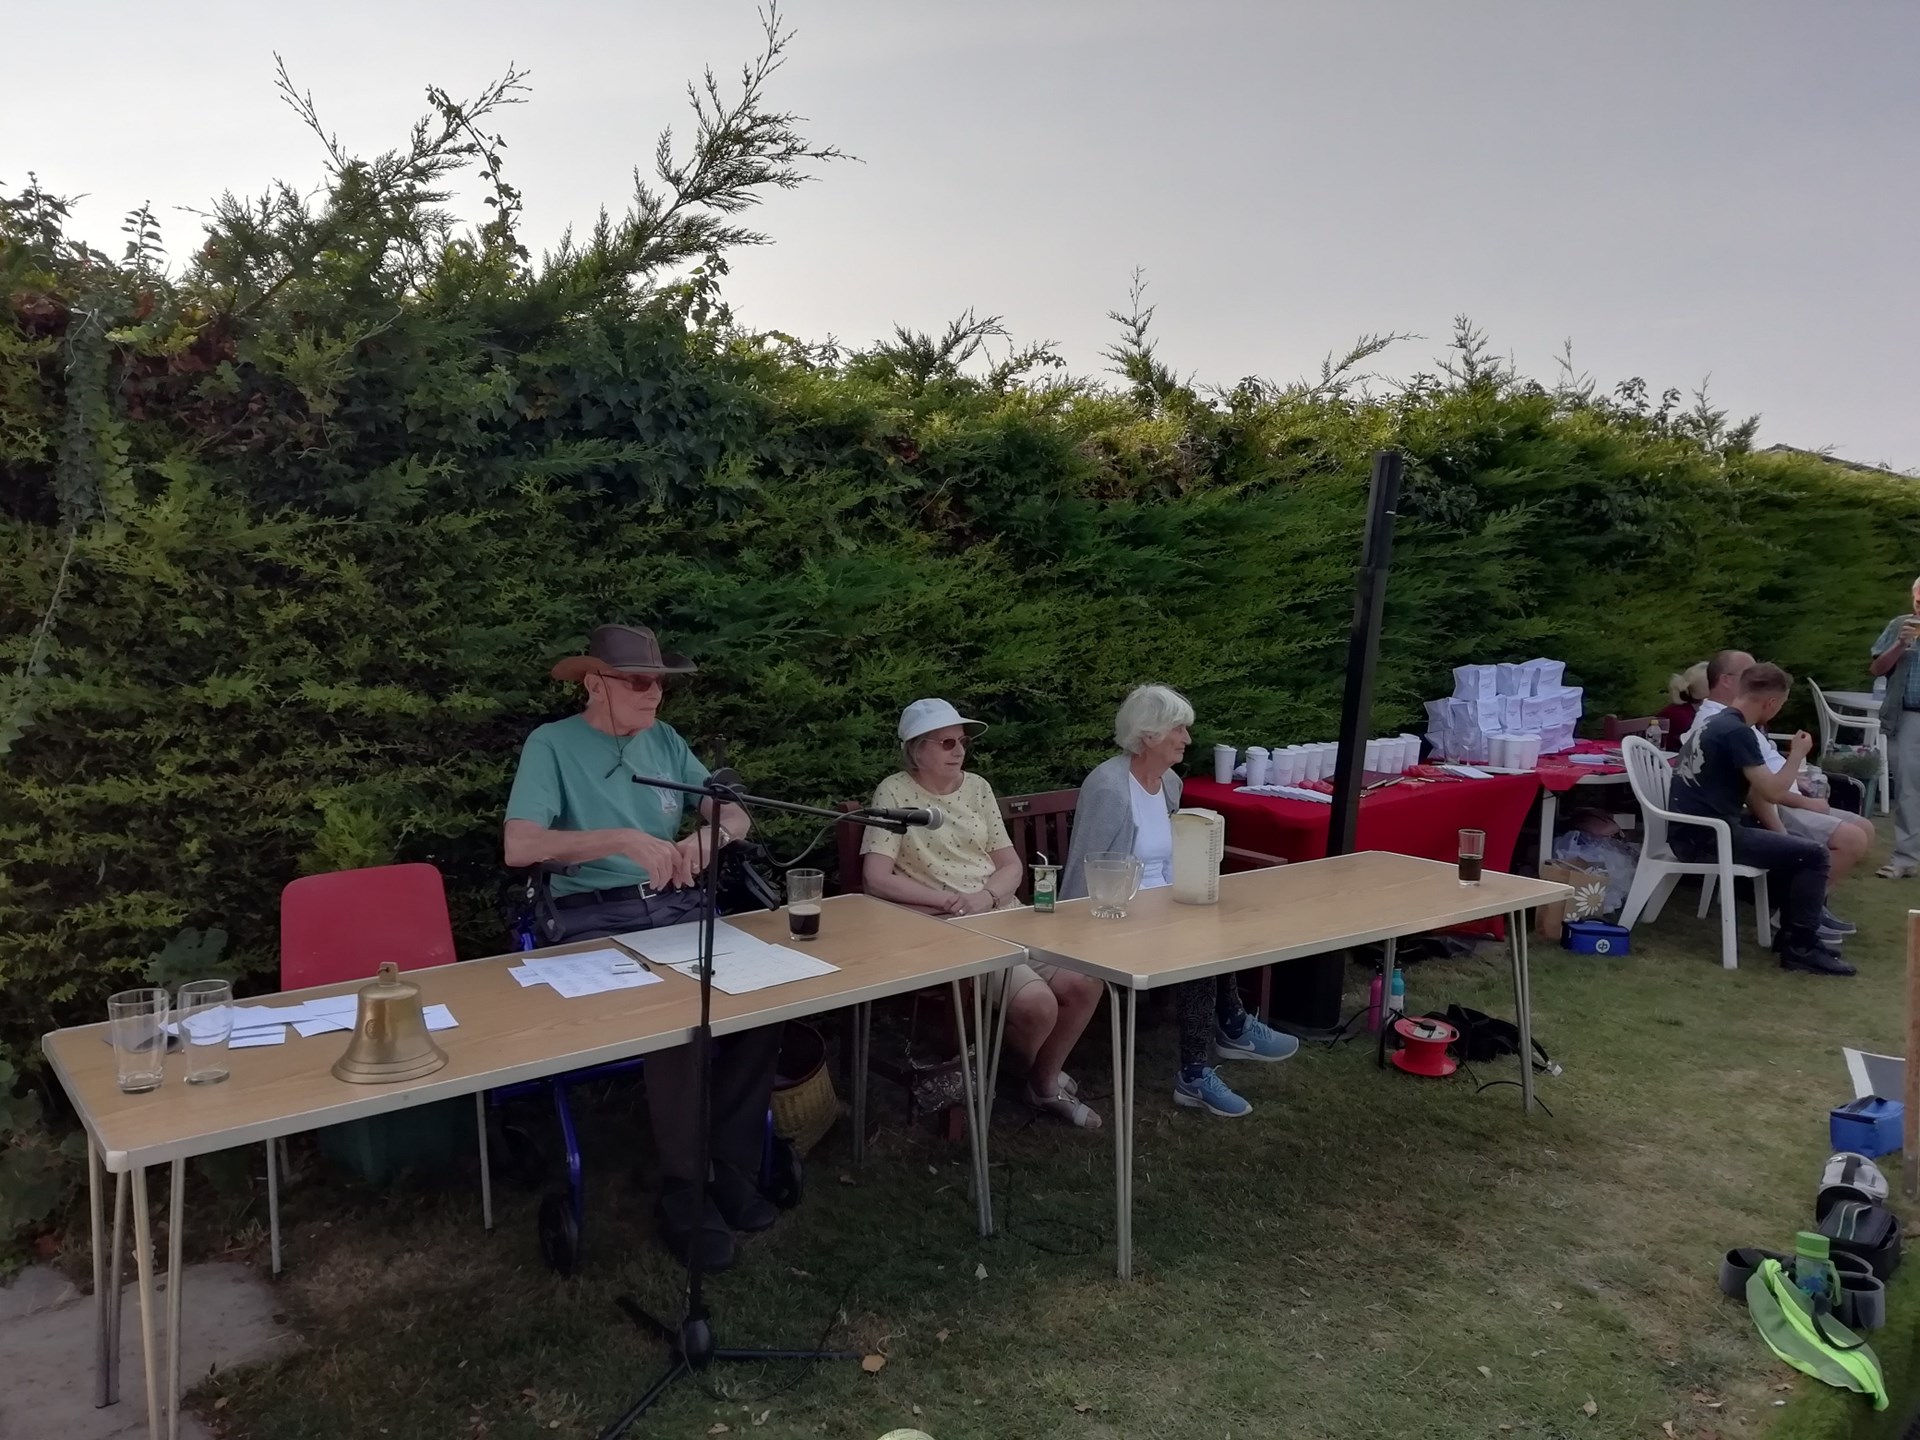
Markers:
point(1203, 1004)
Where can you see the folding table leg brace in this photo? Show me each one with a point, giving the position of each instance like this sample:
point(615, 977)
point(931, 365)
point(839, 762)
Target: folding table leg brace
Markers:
point(1522, 1003)
point(1123, 997)
point(989, 1029)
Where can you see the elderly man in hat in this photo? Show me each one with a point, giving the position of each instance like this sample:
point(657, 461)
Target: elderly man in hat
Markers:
point(575, 803)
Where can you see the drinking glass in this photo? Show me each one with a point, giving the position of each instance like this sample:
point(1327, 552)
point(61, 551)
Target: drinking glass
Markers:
point(1113, 879)
point(804, 889)
point(1473, 849)
point(137, 1025)
point(205, 1008)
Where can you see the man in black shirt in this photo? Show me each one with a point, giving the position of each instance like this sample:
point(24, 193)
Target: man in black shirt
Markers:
point(1720, 770)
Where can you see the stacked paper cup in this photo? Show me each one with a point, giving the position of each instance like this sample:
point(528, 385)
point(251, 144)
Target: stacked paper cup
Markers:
point(1257, 762)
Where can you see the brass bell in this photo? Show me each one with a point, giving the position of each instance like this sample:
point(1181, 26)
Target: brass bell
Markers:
point(390, 1038)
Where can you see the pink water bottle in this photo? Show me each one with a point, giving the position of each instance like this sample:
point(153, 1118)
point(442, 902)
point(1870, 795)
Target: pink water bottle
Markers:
point(1373, 1006)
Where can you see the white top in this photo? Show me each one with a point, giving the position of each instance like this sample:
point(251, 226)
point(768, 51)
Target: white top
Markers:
point(1152, 836)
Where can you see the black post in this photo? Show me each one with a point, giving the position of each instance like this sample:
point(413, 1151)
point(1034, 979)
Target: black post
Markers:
point(1363, 649)
point(1306, 992)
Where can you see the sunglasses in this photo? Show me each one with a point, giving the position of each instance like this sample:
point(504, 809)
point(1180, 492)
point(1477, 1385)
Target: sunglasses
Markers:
point(952, 742)
point(640, 684)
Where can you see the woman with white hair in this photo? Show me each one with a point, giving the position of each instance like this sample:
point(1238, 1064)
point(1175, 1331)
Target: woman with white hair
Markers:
point(968, 866)
point(1126, 805)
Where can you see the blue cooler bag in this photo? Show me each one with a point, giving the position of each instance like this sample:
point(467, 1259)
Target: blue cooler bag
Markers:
point(1594, 937)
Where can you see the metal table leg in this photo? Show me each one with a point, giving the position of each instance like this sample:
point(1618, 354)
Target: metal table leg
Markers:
point(96, 1228)
point(143, 1266)
point(976, 1142)
point(116, 1256)
point(1522, 1003)
point(486, 1170)
point(1549, 815)
point(273, 1205)
point(176, 1284)
point(862, 1042)
point(1123, 1065)
point(990, 1021)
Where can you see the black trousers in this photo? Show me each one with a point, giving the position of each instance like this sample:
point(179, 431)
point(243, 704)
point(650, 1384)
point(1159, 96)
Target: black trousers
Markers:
point(1796, 868)
point(743, 1067)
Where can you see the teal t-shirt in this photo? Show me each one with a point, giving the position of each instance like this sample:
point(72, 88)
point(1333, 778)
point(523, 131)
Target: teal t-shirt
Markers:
point(574, 777)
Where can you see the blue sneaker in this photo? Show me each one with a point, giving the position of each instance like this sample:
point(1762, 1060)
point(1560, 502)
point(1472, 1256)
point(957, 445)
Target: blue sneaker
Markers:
point(1257, 1040)
point(1831, 921)
point(1209, 1092)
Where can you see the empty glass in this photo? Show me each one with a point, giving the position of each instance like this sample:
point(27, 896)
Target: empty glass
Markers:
point(1113, 879)
point(205, 1010)
point(137, 1025)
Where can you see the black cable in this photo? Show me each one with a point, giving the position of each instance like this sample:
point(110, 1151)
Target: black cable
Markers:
point(812, 845)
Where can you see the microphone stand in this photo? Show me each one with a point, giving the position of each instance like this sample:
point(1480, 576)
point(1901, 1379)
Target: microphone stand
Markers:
point(691, 1341)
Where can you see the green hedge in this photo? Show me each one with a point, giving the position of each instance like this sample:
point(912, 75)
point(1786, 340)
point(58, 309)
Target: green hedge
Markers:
point(335, 497)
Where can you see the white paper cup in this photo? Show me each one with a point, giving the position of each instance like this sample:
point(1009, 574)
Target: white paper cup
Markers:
point(1256, 765)
point(1224, 759)
point(1290, 761)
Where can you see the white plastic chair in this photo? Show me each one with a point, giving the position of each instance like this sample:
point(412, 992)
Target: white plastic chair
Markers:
point(1833, 719)
point(1660, 870)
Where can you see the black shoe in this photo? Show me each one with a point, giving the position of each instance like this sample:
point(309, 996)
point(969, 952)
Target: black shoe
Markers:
point(1805, 953)
point(740, 1200)
point(690, 1225)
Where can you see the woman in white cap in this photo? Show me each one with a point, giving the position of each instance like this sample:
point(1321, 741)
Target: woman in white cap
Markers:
point(968, 866)
point(1126, 806)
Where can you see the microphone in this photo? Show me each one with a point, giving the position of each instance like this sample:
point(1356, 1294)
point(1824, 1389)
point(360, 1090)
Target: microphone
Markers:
point(931, 818)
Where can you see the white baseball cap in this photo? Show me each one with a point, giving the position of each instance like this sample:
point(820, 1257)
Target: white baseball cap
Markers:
point(924, 715)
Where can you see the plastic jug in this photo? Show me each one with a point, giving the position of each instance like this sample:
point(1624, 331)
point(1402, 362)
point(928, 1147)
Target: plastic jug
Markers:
point(1199, 840)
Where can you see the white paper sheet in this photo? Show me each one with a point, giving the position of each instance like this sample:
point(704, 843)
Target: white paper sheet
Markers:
point(680, 944)
point(591, 972)
point(761, 967)
point(310, 1028)
point(248, 1039)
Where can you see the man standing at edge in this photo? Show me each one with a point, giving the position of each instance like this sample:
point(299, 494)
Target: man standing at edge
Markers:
point(1894, 656)
point(574, 803)
point(1721, 768)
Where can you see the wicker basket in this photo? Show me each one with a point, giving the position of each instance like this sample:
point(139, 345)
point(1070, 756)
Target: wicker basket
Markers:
point(804, 1105)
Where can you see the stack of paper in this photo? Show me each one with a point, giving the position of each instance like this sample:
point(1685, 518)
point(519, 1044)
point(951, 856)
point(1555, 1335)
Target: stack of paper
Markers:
point(1290, 792)
point(267, 1024)
point(1510, 700)
point(588, 972)
point(741, 962)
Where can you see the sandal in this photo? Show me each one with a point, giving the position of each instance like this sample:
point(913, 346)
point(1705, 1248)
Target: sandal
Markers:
point(1894, 870)
point(1068, 1107)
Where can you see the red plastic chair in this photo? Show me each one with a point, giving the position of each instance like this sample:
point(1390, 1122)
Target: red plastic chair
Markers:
point(342, 926)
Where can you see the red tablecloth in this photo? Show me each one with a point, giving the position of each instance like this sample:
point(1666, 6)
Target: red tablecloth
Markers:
point(1407, 818)
point(1558, 773)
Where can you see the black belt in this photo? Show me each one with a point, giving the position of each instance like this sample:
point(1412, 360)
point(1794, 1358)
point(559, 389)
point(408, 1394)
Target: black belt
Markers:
point(1863, 1298)
point(615, 896)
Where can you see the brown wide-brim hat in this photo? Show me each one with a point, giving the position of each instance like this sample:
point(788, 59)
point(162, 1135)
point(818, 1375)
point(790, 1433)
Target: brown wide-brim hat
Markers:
point(623, 650)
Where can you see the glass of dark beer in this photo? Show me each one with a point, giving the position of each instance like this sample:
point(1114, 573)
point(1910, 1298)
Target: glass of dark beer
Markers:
point(804, 889)
point(1473, 849)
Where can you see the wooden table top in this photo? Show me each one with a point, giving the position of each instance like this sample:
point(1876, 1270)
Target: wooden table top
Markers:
point(1280, 913)
point(505, 1033)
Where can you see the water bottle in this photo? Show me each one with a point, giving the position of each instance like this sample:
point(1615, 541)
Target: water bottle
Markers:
point(1374, 998)
point(1397, 997)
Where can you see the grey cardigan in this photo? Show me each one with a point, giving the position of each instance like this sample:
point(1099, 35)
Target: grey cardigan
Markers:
point(1103, 819)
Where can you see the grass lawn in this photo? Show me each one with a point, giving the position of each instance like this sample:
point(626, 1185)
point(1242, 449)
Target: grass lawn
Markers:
point(1366, 1255)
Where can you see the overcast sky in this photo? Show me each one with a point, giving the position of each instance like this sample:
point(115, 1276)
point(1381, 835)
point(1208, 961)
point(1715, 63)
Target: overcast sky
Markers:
point(1681, 187)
